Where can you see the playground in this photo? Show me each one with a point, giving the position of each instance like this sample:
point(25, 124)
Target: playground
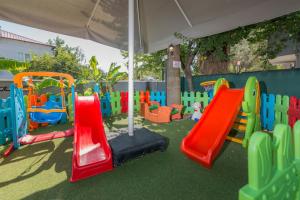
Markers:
point(57, 138)
point(41, 171)
point(66, 136)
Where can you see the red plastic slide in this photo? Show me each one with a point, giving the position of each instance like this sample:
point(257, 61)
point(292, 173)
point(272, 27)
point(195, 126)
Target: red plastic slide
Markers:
point(92, 154)
point(205, 140)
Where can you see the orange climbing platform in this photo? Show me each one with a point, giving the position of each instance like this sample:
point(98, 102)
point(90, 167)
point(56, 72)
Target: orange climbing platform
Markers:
point(91, 154)
point(207, 137)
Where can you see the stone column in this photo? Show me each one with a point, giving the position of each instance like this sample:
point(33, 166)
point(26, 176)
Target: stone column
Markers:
point(297, 60)
point(173, 75)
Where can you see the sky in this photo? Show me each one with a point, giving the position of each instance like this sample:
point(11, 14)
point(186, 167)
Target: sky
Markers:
point(104, 54)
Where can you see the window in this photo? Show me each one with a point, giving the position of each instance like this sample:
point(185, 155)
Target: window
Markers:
point(27, 57)
point(21, 56)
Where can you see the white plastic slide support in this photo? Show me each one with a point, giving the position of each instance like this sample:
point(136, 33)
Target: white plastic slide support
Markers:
point(130, 66)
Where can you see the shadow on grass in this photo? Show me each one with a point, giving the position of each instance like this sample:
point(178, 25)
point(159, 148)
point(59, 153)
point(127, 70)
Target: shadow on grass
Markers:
point(57, 158)
point(29, 151)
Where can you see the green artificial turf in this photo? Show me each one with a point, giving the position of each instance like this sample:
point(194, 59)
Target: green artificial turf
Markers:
point(41, 171)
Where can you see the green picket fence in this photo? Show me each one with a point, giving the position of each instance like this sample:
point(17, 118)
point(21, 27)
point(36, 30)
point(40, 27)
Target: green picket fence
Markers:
point(281, 109)
point(115, 101)
point(273, 165)
point(189, 98)
point(137, 105)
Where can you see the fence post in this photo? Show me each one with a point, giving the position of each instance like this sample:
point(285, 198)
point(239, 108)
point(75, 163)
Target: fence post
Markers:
point(294, 110)
point(115, 99)
point(281, 109)
point(268, 111)
point(137, 104)
point(124, 102)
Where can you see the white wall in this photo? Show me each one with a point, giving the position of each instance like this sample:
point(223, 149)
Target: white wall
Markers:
point(15, 49)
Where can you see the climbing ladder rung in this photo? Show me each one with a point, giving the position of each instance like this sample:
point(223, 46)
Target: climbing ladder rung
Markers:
point(233, 139)
point(243, 114)
point(241, 121)
point(239, 127)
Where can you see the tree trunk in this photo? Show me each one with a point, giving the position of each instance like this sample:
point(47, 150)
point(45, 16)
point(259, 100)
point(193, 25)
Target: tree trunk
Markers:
point(188, 76)
point(173, 77)
point(188, 71)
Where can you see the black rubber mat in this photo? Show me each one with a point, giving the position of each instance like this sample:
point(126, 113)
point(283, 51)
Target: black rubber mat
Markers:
point(144, 141)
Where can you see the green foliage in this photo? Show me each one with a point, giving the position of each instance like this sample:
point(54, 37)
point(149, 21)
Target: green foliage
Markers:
point(277, 32)
point(88, 92)
point(65, 59)
point(113, 76)
point(215, 45)
point(92, 73)
point(148, 65)
point(47, 82)
point(13, 66)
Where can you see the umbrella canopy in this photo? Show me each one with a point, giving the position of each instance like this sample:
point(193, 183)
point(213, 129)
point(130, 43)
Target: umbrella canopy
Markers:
point(147, 25)
point(106, 21)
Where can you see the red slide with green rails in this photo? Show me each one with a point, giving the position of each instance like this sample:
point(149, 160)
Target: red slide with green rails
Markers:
point(91, 154)
point(205, 140)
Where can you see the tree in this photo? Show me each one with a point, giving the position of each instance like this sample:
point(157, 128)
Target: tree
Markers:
point(151, 64)
point(65, 59)
point(275, 33)
point(107, 80)
point(212, 52)
point(113, 76)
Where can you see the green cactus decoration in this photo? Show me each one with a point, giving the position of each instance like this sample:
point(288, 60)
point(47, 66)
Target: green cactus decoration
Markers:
point(251, 106)
point(273, 165)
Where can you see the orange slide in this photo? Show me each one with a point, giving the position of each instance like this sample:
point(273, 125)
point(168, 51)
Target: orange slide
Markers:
point(207, 137)
point(91, 154)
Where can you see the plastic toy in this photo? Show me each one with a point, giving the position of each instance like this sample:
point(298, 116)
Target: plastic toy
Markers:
point(18, 112)
point(176, 111)
point(40, 110)
point(152, 106)
point(160, 115)
point(5, 120)
point(197, 111)
point(209, 87)
point(273, 165)
point(205, 140)
point(92, 154)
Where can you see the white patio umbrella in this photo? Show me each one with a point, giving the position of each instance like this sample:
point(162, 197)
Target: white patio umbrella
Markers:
point(156, 21)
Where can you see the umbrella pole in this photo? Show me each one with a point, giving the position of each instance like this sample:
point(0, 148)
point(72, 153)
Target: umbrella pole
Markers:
point(130, 66)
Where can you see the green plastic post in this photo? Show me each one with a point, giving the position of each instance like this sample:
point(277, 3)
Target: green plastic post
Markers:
point(260, 160)
point(281, 109)
point(297, 139)
point(188, 99)
point(202, 98)
point(273, 169)
point(70, 108)
point(115, 100)
point(137, 105)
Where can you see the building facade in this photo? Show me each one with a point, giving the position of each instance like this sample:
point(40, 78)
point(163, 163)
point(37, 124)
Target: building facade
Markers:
point(16, 47)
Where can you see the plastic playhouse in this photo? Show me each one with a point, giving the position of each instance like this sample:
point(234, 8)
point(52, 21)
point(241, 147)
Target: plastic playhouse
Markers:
point(20, 114)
